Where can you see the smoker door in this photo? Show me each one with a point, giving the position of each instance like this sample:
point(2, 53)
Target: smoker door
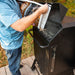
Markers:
point(65, 52)
point(64, 56)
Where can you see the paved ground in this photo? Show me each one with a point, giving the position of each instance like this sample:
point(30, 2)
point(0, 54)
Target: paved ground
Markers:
point(25, 70)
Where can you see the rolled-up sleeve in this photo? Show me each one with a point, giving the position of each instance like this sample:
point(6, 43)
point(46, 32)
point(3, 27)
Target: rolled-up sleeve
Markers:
point(7, 15)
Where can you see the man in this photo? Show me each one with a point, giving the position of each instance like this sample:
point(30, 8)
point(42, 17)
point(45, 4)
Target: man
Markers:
point(12, 26)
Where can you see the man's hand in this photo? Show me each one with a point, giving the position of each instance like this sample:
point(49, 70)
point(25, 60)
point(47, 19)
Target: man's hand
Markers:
point(43, 9)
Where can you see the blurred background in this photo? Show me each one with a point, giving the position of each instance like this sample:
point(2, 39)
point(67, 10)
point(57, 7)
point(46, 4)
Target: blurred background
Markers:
point(28, 46)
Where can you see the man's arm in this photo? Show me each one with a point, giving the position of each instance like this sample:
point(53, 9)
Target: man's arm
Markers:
point(23, 23)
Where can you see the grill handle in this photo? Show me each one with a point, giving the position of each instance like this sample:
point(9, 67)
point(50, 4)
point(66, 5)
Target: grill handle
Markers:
point(41, 46)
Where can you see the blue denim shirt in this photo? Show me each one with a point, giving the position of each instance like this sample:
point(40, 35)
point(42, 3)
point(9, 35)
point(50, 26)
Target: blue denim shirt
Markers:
point(9, 13)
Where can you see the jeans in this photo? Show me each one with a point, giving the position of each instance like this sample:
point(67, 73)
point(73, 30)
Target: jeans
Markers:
point(14, 57)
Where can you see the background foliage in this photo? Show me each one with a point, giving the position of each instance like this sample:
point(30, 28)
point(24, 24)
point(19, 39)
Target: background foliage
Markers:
point(28, 47)
point(70, 4)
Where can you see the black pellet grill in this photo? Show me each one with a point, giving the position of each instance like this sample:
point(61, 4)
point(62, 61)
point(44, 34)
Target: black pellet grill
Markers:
point(54, 47)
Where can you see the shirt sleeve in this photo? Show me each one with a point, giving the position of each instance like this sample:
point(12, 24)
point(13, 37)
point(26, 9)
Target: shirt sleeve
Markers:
point(7, 15)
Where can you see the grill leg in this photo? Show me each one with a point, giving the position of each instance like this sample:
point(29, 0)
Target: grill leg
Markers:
point(33, 65)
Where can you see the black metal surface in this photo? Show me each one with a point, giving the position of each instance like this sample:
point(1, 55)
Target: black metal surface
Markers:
point(58, 58)
point(65, 54)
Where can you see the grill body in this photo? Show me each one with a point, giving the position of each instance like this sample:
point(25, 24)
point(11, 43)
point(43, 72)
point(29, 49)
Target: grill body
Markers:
point(64, 63)
point(54, 47)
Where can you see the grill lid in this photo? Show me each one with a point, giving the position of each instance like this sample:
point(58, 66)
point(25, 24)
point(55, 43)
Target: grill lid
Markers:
point(53, 24)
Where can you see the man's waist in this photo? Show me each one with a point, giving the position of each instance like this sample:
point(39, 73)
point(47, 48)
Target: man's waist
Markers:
point(12, 44)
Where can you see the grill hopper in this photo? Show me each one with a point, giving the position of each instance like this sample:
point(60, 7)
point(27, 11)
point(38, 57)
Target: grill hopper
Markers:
point(54, 47)
point(53, 25)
